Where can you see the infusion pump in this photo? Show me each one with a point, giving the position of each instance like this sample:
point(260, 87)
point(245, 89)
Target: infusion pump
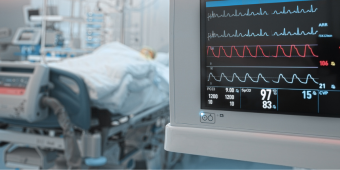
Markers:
point(21, 89)
point(256, 81)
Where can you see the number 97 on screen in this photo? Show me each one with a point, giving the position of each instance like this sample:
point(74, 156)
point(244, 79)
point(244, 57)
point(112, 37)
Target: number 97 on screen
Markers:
point(269, 98)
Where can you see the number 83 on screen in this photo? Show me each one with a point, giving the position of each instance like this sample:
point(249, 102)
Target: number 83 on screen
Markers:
point(268, 95)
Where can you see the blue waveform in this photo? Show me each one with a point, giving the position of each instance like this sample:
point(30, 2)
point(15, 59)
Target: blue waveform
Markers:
point(224, 15)
point(284, 33)
point(297, 11)
point(296, 77)
point(256, 80)
point(225, 35)
point(235, 75)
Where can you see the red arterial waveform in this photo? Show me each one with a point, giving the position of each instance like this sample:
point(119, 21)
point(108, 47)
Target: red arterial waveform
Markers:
point(279, 47)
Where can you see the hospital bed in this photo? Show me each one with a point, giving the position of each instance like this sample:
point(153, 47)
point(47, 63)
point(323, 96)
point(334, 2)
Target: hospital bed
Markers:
point(84, 137)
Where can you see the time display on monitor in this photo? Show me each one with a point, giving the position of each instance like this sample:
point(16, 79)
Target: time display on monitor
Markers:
point(273, 56)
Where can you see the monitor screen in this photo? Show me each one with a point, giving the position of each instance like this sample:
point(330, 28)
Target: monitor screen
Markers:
point(26, 36)
point(32, 12)
point(271, 56)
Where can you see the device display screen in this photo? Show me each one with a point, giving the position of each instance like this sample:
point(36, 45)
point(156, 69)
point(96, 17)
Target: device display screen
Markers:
point(271, 56)
point(33, 12)
point(13, 85)
point(26, 36)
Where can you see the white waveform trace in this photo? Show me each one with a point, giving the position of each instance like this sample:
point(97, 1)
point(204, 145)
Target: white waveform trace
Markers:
point(298, 33)
point(309, 77)
point(225, 35)
point(240, 14)
point(260, 76)
point(235, 75)
point(297, 11)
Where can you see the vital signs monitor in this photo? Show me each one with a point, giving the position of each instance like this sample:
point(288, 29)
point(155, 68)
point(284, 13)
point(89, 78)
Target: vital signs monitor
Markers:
point(256, 80)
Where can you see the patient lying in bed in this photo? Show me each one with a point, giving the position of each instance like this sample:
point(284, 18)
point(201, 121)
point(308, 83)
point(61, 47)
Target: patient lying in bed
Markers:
point(119, 79)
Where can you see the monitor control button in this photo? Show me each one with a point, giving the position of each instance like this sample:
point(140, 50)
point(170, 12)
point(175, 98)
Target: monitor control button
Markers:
point(210, 118)
point(204, 117)
point(207, 118)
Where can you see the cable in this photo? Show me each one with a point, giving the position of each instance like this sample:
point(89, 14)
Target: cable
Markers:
point(72, 152)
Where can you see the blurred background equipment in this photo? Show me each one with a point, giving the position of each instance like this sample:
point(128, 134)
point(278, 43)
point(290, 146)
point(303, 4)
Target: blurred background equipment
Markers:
point(5, 32)
point(71, 28)
point(115, 122)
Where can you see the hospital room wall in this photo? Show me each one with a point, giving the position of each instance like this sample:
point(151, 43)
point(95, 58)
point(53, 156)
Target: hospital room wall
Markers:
point(146, 24)
point(11, 16)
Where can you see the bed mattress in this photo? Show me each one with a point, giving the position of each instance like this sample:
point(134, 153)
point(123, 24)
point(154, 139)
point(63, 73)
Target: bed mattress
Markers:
point(119, 79)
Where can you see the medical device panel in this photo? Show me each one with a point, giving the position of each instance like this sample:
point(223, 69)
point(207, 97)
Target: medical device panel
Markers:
point(271, 57)
point(21, 88)
point(250, 77)
point(5, 32)
point(28, 13)
point(27, 36)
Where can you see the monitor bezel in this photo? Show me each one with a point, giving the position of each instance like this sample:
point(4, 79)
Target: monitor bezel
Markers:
point(203, 74)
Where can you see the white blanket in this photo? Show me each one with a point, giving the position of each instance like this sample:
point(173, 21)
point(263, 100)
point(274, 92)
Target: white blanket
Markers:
point(119, 79)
